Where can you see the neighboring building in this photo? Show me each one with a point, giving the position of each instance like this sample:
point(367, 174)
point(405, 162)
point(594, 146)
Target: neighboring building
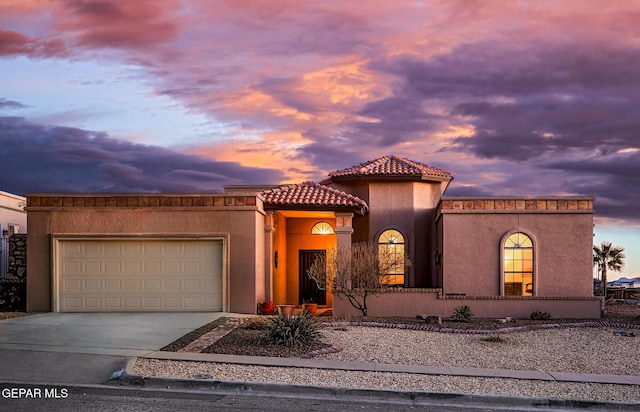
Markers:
point(13, 220)
point(502, 256)
point(627, 283)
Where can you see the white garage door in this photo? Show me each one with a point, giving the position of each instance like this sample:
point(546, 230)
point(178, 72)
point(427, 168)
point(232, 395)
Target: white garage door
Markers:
point(119, 275)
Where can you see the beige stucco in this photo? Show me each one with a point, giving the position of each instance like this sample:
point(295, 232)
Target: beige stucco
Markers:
point(455, 244)
point(410, 302)
point(237, 219)
point(471, 249)
point(406, 206)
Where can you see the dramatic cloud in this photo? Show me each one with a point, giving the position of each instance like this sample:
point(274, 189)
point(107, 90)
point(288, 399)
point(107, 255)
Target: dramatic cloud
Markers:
point(512, 97)
point(39, 158)
point(13, 43)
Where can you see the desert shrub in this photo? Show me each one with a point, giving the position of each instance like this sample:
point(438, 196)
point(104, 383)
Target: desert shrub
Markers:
point(255, 324)
point(293, 330)
point(540, 315)
point(462, 314)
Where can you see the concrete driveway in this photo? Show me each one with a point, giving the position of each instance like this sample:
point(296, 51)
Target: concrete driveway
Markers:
point(120, 334)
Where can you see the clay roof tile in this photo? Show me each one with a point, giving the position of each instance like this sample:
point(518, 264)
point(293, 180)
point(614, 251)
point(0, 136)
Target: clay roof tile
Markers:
point(392, 166)
point(309, 193)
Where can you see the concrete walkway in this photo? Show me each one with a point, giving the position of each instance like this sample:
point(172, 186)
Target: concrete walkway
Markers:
point(377, 367)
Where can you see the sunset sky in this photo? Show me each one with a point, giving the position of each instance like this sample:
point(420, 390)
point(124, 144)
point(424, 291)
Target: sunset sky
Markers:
point(512, 97)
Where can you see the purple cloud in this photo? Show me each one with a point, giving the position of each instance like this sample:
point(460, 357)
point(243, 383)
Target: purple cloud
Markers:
point(64, 159)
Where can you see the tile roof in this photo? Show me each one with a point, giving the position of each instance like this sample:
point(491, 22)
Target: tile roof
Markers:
point(312, 194)
point(392, 166)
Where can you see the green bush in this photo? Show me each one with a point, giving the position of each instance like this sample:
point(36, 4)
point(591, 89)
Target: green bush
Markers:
point(540, 315)
point(293, 330)
point(462, 314)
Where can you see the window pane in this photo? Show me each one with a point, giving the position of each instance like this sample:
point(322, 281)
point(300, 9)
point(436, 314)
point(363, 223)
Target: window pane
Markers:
point(508, 254)
point(518, 265)
point(525, 241)
point(391, 251)
point(322, 228)
point(392, 279)
point(517, 254)
point(508, 266)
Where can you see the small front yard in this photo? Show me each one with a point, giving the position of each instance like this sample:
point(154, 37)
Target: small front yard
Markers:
point(247, 338)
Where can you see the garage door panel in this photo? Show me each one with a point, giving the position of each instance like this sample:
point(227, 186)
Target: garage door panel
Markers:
point(112, 285)
point(91, 284)
point(140, 275)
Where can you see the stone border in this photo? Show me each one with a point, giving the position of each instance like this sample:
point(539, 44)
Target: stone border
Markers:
point(525, 328)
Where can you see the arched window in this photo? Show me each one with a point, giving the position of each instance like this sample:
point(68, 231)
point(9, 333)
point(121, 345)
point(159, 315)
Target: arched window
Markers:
point(518, 265)
point(322, 228)
point(391, 249)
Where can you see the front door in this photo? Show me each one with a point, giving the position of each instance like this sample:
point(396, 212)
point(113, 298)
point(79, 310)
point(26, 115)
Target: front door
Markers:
point(309, 291)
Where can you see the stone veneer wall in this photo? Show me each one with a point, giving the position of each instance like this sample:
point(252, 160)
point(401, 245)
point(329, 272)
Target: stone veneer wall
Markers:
point(13, 289)
point(17, 267)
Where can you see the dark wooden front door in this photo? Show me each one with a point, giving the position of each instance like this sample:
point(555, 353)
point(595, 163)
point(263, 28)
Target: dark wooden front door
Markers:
point(309, 291)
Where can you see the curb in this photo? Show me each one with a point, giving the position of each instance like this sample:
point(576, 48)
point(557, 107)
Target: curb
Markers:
point(413, 398)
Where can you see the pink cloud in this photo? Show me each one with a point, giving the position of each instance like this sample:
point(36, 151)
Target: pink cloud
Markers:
point(117, 24)
point(13, 43)
point(307, 87)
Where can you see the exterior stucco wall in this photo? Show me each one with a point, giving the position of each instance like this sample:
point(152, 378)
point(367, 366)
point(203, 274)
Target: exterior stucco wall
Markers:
point(410, 208)
point(471, 247)
point(299, 237)
point(280, 272)
point(241, 225)
point(411, 302)
point(360, 223)
point(407, 206)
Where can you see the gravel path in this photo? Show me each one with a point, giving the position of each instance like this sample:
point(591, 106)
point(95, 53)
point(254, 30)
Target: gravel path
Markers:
point(566, 350)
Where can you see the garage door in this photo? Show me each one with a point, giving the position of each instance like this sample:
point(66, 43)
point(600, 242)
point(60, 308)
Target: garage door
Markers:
point(118, 275)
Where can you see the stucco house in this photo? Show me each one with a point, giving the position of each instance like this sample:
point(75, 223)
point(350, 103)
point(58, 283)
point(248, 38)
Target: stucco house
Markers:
point(502, 256)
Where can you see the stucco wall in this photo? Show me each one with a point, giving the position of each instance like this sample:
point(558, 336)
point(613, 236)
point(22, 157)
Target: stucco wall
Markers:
point(280, 272)
point(411, 302)
point(562, 251)
point(238, 219)
point(407, 206)
point(299, 237)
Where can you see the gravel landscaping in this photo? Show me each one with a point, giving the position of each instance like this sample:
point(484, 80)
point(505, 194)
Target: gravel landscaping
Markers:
point(582, 350)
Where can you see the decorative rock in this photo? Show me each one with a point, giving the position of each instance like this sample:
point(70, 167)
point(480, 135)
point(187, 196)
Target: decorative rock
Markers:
point(430, 319)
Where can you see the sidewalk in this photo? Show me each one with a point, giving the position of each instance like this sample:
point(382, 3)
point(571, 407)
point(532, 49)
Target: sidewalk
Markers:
point(377, 367)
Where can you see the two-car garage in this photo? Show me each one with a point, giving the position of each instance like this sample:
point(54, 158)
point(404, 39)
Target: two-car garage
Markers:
point(138, 275)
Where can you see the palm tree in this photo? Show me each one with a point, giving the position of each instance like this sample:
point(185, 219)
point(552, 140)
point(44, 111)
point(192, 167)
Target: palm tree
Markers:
point(608, 257)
